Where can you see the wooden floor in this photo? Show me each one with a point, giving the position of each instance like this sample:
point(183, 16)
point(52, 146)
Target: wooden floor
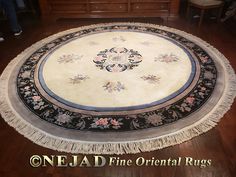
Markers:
point(219, 144)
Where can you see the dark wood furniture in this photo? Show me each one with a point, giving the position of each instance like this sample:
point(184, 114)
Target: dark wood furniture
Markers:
point(108, 8)
point(29, 7)
point(203, 6)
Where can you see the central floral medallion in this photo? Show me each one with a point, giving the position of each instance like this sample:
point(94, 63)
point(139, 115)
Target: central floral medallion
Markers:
point(117, 59)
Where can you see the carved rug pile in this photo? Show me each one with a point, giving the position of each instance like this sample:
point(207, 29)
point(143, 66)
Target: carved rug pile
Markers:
point(116, 88)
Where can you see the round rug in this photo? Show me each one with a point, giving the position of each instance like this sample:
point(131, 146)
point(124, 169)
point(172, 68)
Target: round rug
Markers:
point(116, 88)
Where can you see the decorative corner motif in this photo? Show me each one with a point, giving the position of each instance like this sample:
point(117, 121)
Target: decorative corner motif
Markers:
point(146, 43)
point(119, 39)
point(152, 79)
point(167, 58)
point(78, 79)
point(69, 58)
point(93, 43)
point(113, 86)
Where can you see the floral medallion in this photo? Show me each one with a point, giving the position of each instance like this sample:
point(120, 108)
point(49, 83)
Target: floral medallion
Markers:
point(117, 59)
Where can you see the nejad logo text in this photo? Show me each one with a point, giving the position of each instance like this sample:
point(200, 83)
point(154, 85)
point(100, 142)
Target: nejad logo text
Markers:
point(101, 161)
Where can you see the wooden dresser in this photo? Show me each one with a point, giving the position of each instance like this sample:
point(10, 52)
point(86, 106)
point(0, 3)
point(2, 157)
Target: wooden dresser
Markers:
point(108, 8)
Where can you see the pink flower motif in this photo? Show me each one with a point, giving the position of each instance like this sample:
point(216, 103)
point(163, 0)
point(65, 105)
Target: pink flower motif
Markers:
point(119, 49)
point(167, 58)
point(116, 69)
point(204, 59)
point(114, 122)
point(98, 58)
point(190, 100)
point(36, 98)
point(102, 121)
point(137, 58)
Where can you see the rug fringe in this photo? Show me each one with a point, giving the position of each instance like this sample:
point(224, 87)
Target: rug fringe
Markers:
point(74, 146)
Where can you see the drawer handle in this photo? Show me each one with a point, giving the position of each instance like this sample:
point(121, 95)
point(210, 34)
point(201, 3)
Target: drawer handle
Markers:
point(162, 6)
point(137, 7)
point(120, 7)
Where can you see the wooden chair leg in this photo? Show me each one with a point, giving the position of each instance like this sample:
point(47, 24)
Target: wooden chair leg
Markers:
point(167, 20)
point(187, 12)
point(201, 17)
point(31, 6)
point(219, 13)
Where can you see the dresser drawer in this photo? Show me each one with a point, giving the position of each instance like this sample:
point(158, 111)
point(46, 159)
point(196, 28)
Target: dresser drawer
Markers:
point(54, 9)
point(105, 7)
point(108, 1)
point(67, 1)
point(149, 1)
point(68, 8)
point(138, 7)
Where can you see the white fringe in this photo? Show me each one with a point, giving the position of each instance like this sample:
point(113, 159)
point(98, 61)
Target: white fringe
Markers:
point(44, 139)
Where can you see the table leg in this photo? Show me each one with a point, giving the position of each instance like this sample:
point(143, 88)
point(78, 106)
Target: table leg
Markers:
point(219, 13)
point(187, 12)
point(201, 17)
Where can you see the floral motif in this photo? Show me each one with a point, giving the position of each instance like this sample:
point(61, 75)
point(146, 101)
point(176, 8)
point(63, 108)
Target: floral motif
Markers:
point(190, 100)
point(151, 79)
point(208, 75)
point(188, 103)
point(63, 118)
point(70, 58)
point(117, 59)
point(113, 86)
point(146, 43)
point(51, 45)
point(37, 102)
point(26, 74)
point(78, 79)
point(203, 59)
point(121, 27)
point(119, 39)
point(154, 119)
point(36, 98)
point(167, 58)
point(103, 123)
point(92, 43)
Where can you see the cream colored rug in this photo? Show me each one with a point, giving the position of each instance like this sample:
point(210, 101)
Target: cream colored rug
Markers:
point(116, 88)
